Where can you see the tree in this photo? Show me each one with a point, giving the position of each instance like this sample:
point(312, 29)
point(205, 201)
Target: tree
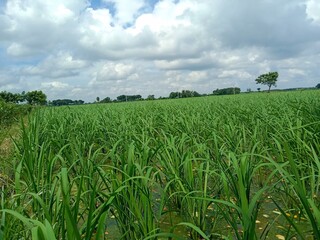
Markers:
point(98, 99)
point(36, 98)
point(105, 100)
point(227, 91)
point(10, 97)
point(125, 98)
point(174, 95)
point(150, 97)
point(62, 102)
point(268, 79)
point(184, 94)
point(318, 86)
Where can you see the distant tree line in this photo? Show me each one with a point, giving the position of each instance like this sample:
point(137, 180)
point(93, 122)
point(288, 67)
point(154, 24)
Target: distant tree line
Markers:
point(32, 97)
point(63, 102)
point(226, 91)
point(172, 95)
point(128, 98)
point(184, 94)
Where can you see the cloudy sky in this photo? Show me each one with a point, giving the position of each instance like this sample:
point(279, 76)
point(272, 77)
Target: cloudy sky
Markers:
point(81, 49)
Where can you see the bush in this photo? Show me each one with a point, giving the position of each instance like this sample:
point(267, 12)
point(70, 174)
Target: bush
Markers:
point(9, 112)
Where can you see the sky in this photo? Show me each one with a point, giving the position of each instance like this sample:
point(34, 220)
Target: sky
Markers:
point(81, 49)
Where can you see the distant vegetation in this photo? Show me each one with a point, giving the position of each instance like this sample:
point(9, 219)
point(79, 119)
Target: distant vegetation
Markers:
point(184, 94)
point(226, 91)
point(62, 102)
point(125, 98)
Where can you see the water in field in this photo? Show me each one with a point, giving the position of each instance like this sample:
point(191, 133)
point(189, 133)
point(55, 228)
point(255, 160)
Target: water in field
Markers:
point(271, 224)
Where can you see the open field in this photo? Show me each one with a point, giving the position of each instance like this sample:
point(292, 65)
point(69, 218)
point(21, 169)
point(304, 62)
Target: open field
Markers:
point(230, 167)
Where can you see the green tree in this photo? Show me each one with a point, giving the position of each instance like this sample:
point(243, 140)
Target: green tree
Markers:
point(227, 91)
point(268, 79)
point(10, 97)
point(150, 97)
point(106, 100)
point(36, 98)
point(318, 85)
point(174, 95)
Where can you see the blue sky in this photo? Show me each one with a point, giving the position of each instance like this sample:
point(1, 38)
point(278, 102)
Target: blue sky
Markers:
point(80, 50)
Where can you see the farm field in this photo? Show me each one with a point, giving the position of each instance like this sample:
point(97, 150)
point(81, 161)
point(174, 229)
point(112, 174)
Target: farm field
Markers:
point(221, 167)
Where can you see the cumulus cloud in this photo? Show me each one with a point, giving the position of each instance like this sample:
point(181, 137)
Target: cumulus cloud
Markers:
point(313, 10)
point(72, 49)
point(112, 71)
point(58, 66)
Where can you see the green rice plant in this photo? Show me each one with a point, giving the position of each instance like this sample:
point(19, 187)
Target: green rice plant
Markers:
point(194, 164)
point(65, 198)
point(241, 205)
point(194, 204)
point(173, 156)
point(304, 202)
point(132, 206)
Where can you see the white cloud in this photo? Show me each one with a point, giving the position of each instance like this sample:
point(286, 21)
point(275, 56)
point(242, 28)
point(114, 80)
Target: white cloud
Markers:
point(55, 85)
point(313, 10)
point(112, 71)
point(56, 66)
point(71, 49)
point(17, 49)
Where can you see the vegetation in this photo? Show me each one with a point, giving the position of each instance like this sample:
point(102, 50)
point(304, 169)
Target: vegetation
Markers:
point(106, 100)
point(36, 98)
point(10, 113)
point(128, 98)
point(233, 167)
point(33, 97)
point(184, 94)
point(226, 91)
point(62, 102)
point(269, 79)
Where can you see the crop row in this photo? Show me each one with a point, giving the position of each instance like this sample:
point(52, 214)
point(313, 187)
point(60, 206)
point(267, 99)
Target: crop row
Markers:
point(244, 167)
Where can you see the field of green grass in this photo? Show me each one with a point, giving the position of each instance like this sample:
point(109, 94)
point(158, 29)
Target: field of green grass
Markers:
point(222, 167)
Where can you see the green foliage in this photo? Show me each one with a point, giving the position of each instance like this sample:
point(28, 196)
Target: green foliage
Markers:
point(226, 91)
point(184, 94)
point(150, 97)
point(318, 86)
point(12, 97)
point(10, 113)
point(128, 98)
point(62, 102)
point(36, 98)
point(269, 79)
point(106, 100)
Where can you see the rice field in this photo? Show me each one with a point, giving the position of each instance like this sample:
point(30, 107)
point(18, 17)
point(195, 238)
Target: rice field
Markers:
point(229, 167)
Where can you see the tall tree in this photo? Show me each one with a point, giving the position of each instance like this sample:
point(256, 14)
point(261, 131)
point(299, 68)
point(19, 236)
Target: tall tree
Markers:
point(268, 79)
point(106, 100)
point(36, 98)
